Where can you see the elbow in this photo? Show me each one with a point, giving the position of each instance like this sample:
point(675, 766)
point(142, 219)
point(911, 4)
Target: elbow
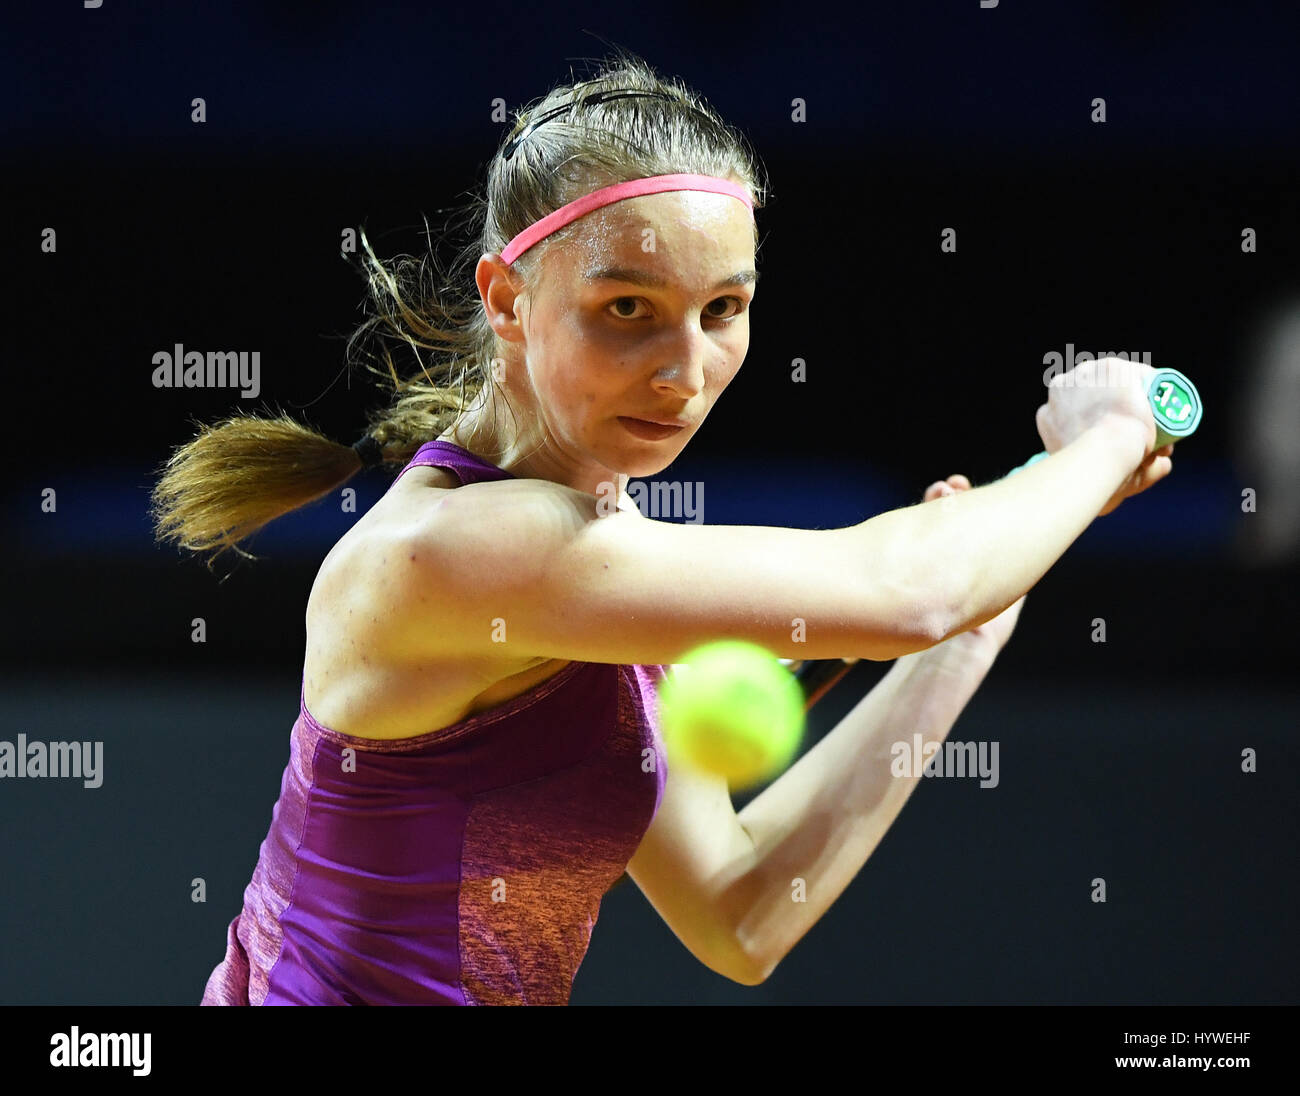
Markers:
point(741, 967)
point(913, 614)
point(950, 609)
point(755, 965)
point(940, 624)
point(906, 635)
point(754, 974)
point(924, 629)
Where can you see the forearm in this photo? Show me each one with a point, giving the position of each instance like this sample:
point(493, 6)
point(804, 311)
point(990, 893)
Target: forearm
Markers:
point(815, 826)
point(972, 554)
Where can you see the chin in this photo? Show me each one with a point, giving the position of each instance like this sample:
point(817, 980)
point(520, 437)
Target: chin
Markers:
point(639, 459)
point(655, 459)
point(637, 467)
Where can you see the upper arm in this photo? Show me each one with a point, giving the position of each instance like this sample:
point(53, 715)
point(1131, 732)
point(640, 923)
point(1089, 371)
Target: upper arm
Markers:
point(691, 866)
point(532, 568)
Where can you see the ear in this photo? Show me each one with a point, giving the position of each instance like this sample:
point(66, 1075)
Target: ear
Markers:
point(500, 290)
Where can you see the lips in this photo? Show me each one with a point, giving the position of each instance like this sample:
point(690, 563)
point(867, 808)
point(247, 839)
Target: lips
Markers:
point(660, 422)
point(649, 430)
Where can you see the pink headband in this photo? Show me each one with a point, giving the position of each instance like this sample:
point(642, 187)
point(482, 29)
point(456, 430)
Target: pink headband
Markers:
point(553, 222)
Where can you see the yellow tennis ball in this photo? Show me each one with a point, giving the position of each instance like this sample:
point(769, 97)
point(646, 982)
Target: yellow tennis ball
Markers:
point(731, 707)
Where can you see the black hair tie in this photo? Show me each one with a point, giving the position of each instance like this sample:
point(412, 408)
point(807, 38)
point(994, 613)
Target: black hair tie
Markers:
point(369, 450)
point(595, 97)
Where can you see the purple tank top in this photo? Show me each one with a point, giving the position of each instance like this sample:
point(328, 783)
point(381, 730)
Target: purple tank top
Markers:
point(463, 866)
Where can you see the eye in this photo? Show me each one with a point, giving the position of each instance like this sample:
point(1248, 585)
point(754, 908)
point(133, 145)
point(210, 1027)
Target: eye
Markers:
point(740, 307)
point(623, 314)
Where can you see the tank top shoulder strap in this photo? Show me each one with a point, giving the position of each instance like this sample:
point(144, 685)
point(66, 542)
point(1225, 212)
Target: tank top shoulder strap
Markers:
point(463, 464)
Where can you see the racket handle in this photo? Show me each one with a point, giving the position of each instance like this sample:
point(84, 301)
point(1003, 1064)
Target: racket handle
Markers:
point(819, 676)
point(1175, 403)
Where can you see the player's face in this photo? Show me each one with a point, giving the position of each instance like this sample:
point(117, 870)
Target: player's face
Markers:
point(601, 348)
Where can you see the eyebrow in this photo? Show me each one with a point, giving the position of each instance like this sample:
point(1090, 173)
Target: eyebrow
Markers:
point(655, 281)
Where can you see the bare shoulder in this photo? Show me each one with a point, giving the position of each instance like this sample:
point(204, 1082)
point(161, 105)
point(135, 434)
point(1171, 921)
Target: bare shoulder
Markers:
point(362, 675)
point(384, 570)
point(456, 574)
point(426, 566)
point(359, 557)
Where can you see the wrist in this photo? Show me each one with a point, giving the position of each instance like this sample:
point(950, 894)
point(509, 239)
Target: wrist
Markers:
point(1126, 437)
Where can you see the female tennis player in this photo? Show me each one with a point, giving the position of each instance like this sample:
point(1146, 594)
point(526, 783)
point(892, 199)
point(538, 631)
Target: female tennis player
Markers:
point(476, 760)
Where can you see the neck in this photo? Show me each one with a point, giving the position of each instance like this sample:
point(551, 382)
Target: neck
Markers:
point(490, 433)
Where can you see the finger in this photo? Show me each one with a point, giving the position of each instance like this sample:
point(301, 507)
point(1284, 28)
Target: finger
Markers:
point(1149, 460)
point(1153, 473)
point(959, 481)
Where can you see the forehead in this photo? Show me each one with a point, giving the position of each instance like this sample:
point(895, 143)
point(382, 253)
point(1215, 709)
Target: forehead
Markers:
point(698, 229)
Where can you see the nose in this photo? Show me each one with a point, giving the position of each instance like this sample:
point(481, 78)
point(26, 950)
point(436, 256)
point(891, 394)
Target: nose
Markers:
point(683, 375)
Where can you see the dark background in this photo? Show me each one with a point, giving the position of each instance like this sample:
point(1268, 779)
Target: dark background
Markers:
point(1119, 760)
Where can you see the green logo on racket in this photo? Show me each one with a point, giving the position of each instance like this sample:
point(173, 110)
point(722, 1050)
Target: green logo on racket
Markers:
point(1176, 405)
